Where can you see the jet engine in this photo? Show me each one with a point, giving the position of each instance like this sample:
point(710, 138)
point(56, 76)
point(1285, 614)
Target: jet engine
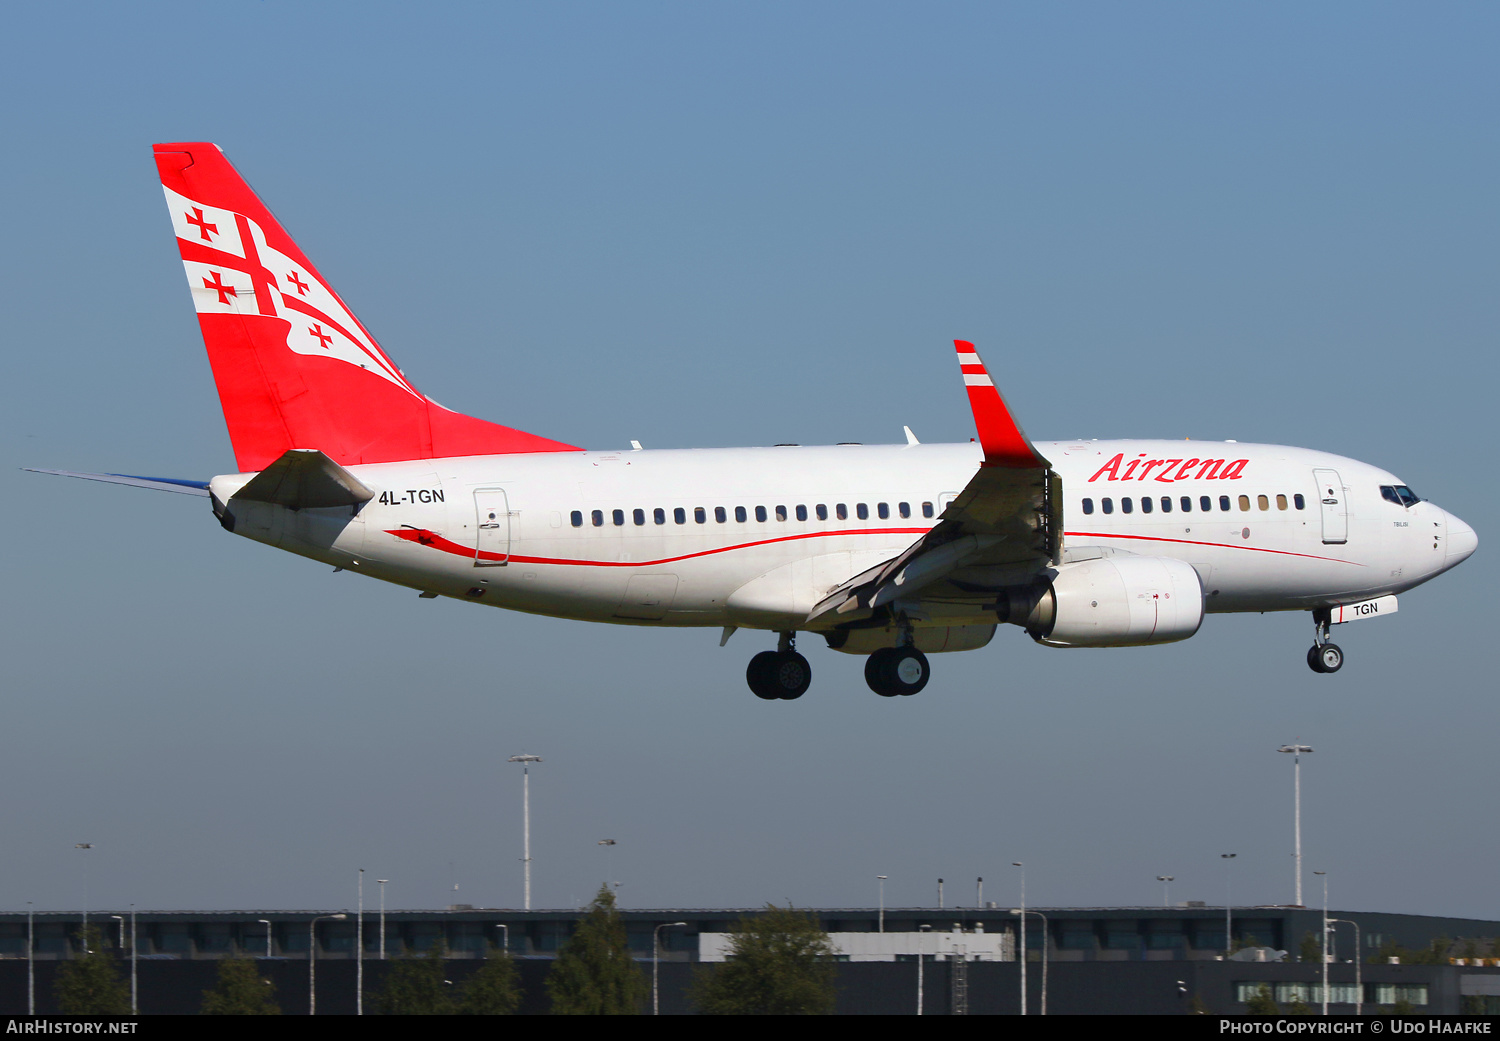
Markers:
point(1118, 601)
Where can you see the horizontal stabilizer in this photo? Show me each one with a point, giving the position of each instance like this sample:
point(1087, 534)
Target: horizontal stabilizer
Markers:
point(160, 484)
point(304, 478)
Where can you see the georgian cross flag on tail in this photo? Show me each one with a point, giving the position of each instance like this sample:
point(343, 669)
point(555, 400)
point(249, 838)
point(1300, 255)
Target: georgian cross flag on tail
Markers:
point(293, 365)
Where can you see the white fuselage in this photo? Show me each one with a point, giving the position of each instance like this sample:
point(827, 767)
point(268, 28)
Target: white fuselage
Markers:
point(636, 537)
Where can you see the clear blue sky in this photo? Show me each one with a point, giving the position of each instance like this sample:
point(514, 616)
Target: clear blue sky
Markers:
point(701, 225)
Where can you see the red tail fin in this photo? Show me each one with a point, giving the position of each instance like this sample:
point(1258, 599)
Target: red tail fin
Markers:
point(294, 367)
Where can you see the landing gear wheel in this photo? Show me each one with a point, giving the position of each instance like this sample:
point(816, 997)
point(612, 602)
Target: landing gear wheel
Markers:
point(1312, 658)
point(1330, 658)
point(778, 675)
point(877, 669)
point(897, 671)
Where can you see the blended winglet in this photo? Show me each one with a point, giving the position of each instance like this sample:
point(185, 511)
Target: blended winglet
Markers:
point(999, 434)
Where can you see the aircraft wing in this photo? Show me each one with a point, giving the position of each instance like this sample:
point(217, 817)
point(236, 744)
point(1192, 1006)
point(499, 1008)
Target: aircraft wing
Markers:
point(1006, 522)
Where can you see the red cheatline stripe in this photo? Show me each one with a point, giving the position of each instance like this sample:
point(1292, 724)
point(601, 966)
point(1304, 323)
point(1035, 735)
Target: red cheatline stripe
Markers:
point(436, 541)
point(1217, 545)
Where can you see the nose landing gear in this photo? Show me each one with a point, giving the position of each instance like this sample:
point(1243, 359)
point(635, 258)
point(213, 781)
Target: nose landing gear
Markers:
point(1323, 656)
point(779, 675)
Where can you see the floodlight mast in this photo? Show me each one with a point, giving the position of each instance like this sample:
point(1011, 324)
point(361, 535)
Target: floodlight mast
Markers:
point(1297, 751)
point(526, 761)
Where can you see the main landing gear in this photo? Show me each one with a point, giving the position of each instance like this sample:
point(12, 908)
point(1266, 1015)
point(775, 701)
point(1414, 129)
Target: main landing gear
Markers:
point(897, 671)
point(1323, 656)
point(779, 675)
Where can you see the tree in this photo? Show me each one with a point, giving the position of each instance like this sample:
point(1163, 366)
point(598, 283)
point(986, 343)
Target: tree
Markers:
point(779, 963)
point(90, 984)
point(594, 974)
point(240, 991)
point(417, 986)
point(1262, 1004)
point(495, 990)
point(1310, 950)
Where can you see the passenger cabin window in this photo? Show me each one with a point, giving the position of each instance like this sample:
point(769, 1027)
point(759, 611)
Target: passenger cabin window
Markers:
point(1224, 503)
point(862, 511)
point(577, 518)
point(822, 511)
point(700, 515)
point(927, 509)
point(719, 515)
point(1108, 504)
point(842, 511)
point(760, 514)
point(801, 512)
point(1244, 503)
point(1145, 504)
point(904, 508)
point(1263, 502)
point(639, 516)
point(1088, 506)
point(1299, 502)
point(1205, 503)
point(618, 516)
point(740, 514)
point(1166, 504)
point(659, 515)
point(679, 515)
point(598, 518)
point(883, 510)
point(781, 513)
point(1127, 504)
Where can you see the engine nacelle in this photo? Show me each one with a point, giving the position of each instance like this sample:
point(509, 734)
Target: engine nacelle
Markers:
point(1118, 601)
point(929, 639)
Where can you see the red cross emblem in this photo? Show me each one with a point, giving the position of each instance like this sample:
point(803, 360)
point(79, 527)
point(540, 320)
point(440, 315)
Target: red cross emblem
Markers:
point(206, 231)
point(323, 338)
point(225, 292)
point(295, 280)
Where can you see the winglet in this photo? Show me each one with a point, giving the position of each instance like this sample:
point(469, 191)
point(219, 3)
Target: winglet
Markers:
point(999, 434)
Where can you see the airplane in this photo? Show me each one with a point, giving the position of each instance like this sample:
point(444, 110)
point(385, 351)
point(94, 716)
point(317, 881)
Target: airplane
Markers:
point(890, 552)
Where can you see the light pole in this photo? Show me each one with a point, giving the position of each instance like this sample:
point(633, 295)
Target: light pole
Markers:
point(979, 892)
point(85, 846)
point(656, 963)
point(359, 948)
point(1045, 938)
point(504, 937)
point(267, 923)
point(1297, 751)
point(121, 919)
point(882, 879)
point(526, 761)
point(312, 960)
point(940, 894)
point(609, 849)
point(1323, 940)
point(30, 961)
point(922, 931)
point(135, 950)
point(1228, 859)
point(382, 882)
point(1021, 947)
point(1359, 987)
point(1165, 881)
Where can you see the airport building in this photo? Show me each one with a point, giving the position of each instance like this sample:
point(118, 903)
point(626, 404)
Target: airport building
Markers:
point(1091, 960)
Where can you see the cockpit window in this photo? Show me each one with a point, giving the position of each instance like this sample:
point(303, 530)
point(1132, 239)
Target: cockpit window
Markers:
point(1399, 494)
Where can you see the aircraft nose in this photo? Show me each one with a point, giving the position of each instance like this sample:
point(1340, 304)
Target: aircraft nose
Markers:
point(1461, 541)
